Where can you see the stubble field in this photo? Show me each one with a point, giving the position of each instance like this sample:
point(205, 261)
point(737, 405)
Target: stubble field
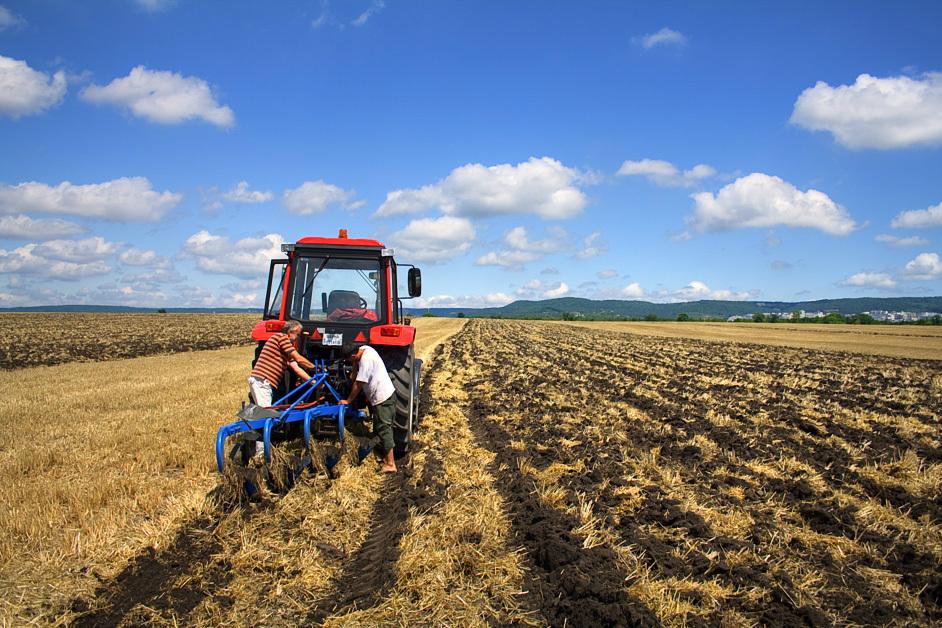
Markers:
point(563, 476)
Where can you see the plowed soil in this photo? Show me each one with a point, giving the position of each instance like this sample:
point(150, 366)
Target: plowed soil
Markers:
point(738, 483)
point(923, 342)
point(44, 339)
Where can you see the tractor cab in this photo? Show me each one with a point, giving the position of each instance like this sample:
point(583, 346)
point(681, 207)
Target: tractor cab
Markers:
point(340, 290)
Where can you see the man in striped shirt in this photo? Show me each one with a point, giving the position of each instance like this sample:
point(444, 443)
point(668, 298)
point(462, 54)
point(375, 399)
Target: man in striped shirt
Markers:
point(278, 354)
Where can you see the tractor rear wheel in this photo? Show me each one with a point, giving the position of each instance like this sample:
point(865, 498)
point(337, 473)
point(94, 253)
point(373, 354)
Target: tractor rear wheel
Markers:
point(401, 366)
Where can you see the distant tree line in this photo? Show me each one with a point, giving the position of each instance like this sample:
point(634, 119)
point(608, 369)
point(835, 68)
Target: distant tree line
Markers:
point(832, 318)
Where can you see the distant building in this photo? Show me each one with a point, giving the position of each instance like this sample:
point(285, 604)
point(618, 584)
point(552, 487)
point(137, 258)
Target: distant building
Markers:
point(900, 317)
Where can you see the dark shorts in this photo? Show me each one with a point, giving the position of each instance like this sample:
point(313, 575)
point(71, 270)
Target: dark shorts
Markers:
point(383, 415)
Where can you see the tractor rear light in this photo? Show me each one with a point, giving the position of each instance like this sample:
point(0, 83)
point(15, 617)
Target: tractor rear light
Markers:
point(393, 332)
point(273, 326)
point(342, 234)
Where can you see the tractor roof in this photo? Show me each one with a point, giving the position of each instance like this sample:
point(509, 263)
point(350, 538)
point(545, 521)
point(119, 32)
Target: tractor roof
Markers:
point(317, 241)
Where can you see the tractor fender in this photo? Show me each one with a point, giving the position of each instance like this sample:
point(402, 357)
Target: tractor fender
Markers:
point(392, 335)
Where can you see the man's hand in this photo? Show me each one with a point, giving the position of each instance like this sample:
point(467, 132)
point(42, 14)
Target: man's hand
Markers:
point(354, 391)
point(343, 402)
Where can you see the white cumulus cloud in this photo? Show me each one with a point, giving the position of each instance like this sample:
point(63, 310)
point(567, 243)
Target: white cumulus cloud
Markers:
point(540, 186)
point(520, 249)
point(25, 91)
point(664, 173)
point(925, 266)
point(919, 218)
point(518, 239)
point(663, 37)
point(22, 227)
point(8, 19)
point(247, 258)
point(469, 301)
point(506, 259)
point(79, 251)
point(531, 288)
point(124, 199)
point(760, 200)
point(64, 260)
point(155, 278)
point(884, 113)
point(242, 194)
point(497, 298)
point(314, 197)
point(561, 290)
point(870, 280)
point(138, 257)
point(162, 97)
point(433, 239)
point(633, 291)
point(592, 246)
point(901, 242)
point(696, 290)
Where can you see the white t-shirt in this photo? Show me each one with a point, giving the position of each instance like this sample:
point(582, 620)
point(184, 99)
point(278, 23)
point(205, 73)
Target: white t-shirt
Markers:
point(372, 373)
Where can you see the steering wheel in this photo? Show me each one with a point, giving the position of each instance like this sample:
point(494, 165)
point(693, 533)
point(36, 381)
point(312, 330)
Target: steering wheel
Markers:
point(363, 305)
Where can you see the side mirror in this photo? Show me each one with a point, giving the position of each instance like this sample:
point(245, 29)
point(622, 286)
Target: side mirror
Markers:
point(324, 302)
point(415, 282)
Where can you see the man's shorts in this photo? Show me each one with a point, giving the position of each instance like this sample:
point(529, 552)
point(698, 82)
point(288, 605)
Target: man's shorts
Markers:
point(260, 390)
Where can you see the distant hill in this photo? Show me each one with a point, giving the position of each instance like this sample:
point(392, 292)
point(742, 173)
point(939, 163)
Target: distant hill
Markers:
point(556, 308)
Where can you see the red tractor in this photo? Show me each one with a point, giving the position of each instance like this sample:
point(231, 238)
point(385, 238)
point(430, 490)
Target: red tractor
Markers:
point(344, 291)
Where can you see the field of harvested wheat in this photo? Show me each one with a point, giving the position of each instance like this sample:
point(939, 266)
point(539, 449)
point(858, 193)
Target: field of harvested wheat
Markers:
point(562, 476)
point(44, 339)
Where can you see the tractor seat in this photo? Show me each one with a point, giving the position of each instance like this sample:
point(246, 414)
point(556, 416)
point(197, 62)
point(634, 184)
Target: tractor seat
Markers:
point(343, 299)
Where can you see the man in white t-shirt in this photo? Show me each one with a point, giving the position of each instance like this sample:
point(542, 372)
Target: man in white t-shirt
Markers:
point(370, 376)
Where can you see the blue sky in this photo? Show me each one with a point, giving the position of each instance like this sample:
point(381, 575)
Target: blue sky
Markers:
point(157, 152)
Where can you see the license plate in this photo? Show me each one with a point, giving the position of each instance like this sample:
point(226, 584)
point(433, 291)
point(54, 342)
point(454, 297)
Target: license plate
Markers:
point(333, 340)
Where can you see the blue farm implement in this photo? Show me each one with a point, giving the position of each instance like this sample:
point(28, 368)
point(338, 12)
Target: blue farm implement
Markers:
point(324, 416)
point(312, 411)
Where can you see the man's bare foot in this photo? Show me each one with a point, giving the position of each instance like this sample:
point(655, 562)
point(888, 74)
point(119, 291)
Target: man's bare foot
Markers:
point(389, 462)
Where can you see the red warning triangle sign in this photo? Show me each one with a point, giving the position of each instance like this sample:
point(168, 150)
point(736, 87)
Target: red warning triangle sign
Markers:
point(360, 338)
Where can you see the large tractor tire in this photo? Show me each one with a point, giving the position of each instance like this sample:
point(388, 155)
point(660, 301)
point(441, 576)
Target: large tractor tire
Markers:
point(403, 371)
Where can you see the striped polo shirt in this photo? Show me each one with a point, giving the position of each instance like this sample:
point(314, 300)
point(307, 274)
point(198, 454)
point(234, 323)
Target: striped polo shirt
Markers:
point(274, 358)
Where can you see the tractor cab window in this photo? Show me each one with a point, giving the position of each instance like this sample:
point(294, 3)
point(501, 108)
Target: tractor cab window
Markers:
point(276, 279)
point(336, 289)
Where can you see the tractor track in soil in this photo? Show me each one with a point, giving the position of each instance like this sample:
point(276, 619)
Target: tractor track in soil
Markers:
point(568, 372)
point(170, 582)
point(570, 584)
point(369, 574)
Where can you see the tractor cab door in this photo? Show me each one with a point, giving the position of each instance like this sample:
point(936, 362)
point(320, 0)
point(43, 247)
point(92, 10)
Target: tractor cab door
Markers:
point(275, 293)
